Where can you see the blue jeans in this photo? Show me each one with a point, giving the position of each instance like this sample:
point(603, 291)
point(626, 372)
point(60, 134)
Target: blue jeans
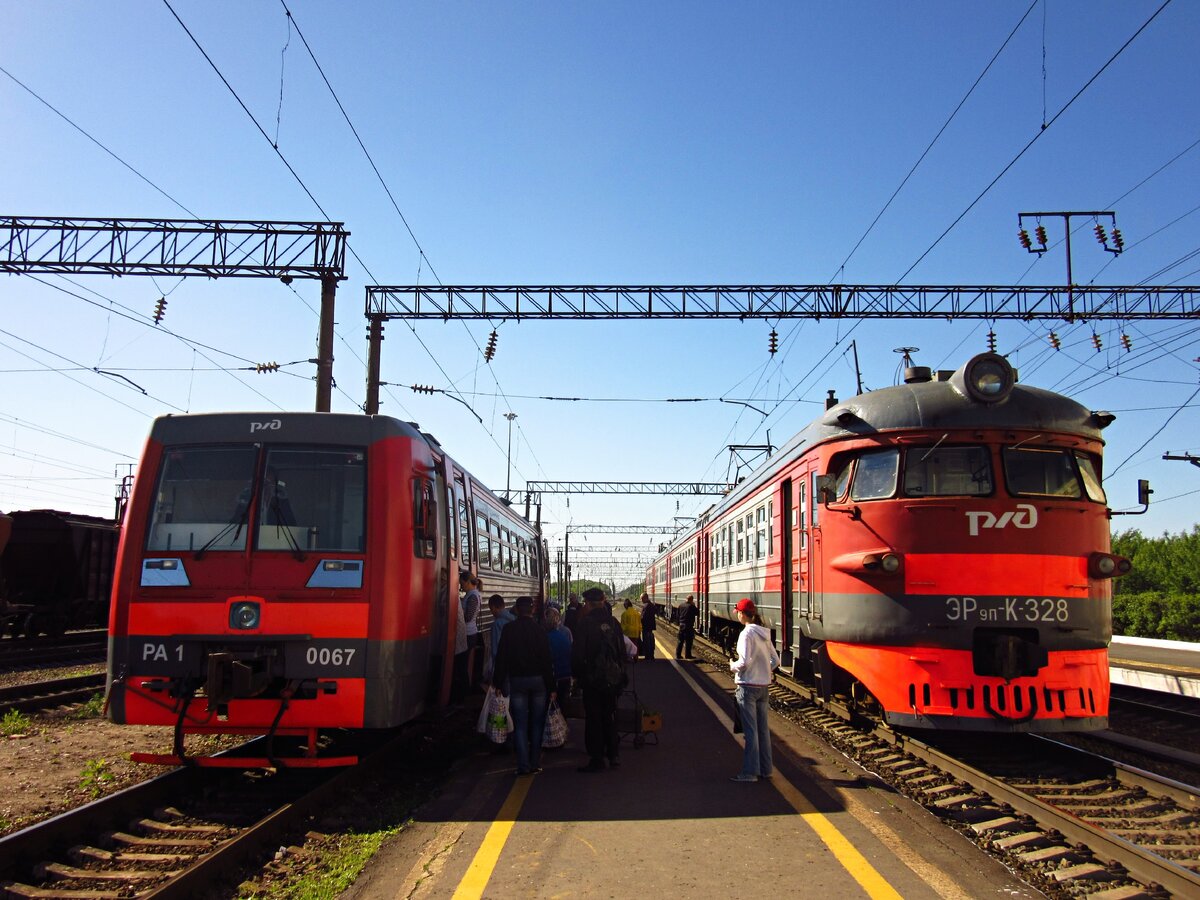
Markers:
point(527, 701)
point(752, 704)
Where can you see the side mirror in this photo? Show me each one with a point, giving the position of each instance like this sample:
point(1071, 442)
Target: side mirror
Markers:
point(1144, 492)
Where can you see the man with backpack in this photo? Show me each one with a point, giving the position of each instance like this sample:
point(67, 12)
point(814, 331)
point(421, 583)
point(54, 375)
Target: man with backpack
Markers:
point(598, 663)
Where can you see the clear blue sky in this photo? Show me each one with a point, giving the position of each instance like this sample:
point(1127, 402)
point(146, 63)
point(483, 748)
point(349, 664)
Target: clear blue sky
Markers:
point(683, 143)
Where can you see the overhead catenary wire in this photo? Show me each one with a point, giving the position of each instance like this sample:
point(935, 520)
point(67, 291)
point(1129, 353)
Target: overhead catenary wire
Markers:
point(1032, 141)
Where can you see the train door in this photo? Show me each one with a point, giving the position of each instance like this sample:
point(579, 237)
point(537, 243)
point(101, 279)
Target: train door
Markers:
point(787, 597)
point(814, 548)
point(701, 565)
point(443, 514)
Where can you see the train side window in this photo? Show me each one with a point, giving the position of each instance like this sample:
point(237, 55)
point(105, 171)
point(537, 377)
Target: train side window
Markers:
point(464, 534)
point(875, 475)
point(481, 541)
point(947, 471)
point(801, 502)
point(203, 498)
point(770, 527)
point(1091, 477)
point(1032, 471)
point(424, 519)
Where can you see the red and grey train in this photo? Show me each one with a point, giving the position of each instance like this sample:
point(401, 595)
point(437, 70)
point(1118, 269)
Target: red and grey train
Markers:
point(280, 574)
point(939, 549)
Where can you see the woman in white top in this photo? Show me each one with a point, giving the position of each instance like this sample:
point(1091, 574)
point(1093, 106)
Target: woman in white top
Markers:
point(752, 672)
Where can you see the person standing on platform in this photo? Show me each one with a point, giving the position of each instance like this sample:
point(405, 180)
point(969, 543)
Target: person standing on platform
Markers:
point(648, 627)
point(688, 614)
point(525, 674)
point(560, 651)
point(572, 612)
point(631, 622)
point(597, 660)
point(500, 618)
point(471, 603)
point(753, 670)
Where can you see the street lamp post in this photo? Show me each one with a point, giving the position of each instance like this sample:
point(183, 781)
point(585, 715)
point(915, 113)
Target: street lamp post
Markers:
point(508, 478)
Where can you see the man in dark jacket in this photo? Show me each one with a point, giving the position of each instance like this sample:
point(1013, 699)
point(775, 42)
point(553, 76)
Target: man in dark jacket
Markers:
point(595, 627)
point(648, 627)
point(525, 673)
point(688, 615)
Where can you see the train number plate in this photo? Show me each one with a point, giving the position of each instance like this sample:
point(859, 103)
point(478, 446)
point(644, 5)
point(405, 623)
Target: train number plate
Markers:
point(1009, 610)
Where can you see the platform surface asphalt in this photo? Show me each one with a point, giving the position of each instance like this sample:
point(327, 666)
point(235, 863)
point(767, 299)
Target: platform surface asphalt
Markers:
point(669, 822)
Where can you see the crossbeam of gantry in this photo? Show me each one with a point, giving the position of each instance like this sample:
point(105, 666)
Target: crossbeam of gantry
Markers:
point(183, 247)
point(535, 489)
point(498, 302)
point(623, 529)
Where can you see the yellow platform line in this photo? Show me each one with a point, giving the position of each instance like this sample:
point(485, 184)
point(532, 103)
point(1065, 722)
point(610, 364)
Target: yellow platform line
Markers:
point(481, 868)
point(868, 878)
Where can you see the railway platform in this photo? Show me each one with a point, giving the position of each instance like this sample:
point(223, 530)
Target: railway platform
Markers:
point(1172, 667)
point(669, 822)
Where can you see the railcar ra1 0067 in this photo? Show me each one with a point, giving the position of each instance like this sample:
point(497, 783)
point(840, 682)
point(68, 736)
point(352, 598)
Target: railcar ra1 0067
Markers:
point(939, 550)
point(282, 574)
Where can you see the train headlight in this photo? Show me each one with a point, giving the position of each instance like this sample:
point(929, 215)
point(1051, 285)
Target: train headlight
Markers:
point(989, 378)
point(245, 615)
point(1106, 565)
point(881, 562)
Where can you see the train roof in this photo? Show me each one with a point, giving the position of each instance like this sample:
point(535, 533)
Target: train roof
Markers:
point(929, 403)
point(272, 427)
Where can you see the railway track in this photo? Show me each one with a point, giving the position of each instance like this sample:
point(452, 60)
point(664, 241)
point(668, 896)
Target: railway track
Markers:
point(45, 694)
point(74, 648)
point(182, 833)
point(1077, 823)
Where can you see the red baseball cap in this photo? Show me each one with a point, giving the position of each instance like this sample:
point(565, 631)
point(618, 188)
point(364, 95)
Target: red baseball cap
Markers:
point(745, 605)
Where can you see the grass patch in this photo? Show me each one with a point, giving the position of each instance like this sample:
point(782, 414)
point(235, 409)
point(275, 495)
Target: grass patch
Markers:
point(90, 710)
point(96, 773)
point(14, 722)
point(325, 867)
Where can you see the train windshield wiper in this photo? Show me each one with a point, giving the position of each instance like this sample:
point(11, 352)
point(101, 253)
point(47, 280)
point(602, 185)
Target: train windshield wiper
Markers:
point(238, 522)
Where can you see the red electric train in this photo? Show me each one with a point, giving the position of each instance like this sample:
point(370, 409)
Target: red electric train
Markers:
point(938, 550)
point(279, 574)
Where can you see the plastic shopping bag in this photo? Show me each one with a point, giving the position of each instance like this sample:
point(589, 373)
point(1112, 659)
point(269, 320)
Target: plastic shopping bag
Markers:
point(495, 720)
point(555, 734)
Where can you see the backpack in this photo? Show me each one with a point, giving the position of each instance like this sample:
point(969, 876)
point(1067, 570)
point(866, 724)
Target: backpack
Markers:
point(607, 670)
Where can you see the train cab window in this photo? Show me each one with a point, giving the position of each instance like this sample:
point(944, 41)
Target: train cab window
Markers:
point(947, 471)
point(312, 499)
point(1091, 477)
point(875, 475)
point(203, 499)
point(1042, 472)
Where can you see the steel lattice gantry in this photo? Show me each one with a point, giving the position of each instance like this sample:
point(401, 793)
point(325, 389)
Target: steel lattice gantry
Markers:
point(839, 301)
point(535, 489)
point(186, 247)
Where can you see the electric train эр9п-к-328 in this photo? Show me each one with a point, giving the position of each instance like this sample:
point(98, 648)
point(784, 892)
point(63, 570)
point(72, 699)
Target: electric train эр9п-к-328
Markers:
point(938, 549)
point(282, 574)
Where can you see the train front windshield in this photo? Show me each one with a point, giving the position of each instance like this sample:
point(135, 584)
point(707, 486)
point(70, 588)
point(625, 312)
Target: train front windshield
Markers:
point(301, 498)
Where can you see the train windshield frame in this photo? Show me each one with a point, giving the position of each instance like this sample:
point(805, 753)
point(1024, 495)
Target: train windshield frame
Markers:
point(1052, 472)
point(304, 498)
point(202, 500)
point(948, 471)
point(312, 498)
